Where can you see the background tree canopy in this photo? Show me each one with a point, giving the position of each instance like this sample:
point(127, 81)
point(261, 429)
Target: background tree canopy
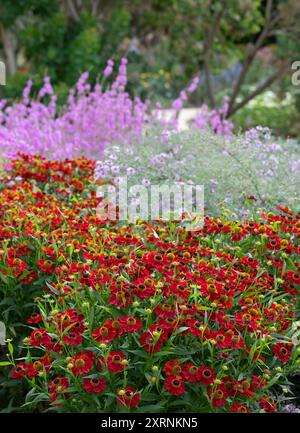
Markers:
point(240, 48)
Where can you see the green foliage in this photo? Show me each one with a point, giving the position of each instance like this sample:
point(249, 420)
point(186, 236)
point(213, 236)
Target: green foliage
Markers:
point(15, 85)
point(45, 46)
point(235, 171)
point(114, 33)
point(83, 54)
point(282, 119)
point(156, 35)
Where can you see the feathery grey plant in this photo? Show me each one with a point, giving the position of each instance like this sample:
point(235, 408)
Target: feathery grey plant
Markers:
point(236, 171)
point(290, 408)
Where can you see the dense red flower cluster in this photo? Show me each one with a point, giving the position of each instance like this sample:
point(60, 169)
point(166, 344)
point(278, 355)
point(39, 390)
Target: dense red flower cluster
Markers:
point(141, 311)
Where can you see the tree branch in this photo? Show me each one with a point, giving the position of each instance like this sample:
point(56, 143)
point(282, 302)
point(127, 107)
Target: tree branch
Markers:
point(9, 50)
point(73, 11)
point(267, 83)
point(95, 5)
point(208, 41)
point(269, 24)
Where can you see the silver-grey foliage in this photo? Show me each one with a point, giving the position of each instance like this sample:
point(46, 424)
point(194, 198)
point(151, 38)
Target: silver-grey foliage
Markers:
point(253, 168)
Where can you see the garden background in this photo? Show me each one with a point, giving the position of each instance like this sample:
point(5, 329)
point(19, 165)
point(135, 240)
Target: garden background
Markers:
point(95, 90)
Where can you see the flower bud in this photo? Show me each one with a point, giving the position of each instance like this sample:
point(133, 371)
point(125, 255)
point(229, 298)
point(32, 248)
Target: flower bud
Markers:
point(54, 312)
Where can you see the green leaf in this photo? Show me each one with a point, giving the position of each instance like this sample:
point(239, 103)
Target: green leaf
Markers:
point(10, 348)
point(152, 407)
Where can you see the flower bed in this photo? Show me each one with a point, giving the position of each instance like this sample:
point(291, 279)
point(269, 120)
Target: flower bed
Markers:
point(236, 171)
point(148, 318)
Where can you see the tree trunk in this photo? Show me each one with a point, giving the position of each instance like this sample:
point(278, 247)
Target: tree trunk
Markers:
point(9, 46)
point(260, 89)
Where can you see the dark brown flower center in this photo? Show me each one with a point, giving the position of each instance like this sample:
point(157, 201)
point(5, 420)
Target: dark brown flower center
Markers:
point(103, 331)
point(37, 336)
point(38, 365)
point(246, 385)
point(177, 370)
point(115, 324)
point(219, 394)
point(79, 363)
point(242, 409)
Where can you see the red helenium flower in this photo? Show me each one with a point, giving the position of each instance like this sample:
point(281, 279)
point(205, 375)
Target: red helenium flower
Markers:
point(174, 385)
point(173, 368)
point(82, 363)
point(94, 384)
point(206, 375)
point(114, 361)
point(282, 352)
point(131, 398)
